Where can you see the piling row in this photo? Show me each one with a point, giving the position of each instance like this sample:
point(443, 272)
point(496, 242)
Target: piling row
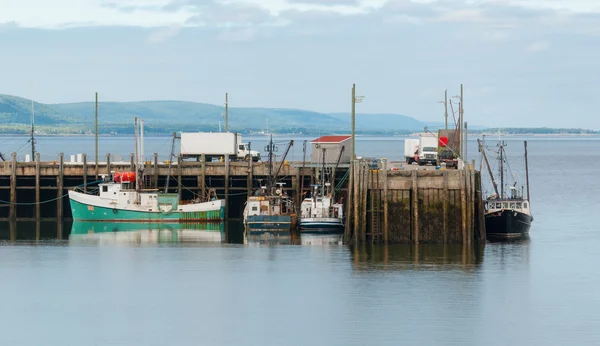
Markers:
point(382, 206)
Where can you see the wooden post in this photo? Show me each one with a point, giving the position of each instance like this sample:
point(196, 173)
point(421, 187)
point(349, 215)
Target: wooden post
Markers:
point(131, 163)
point(179, 192)
point(349, 191)
point(108, 164)
point(463, 205)
point(249, 177)
point(445, 198)
point(365, 187)
point(385, 202)
point(482, 234)
point(415, 206)
point(355, 214)
point(226, 198)
point(37, 187)
point(85, 172)
point(202, 181)
point(155, 182)
point(298, 192)
point(60, 187)
point(13, 187)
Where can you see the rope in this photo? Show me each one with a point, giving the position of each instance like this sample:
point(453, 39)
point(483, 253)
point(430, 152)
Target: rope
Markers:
point(50, 200)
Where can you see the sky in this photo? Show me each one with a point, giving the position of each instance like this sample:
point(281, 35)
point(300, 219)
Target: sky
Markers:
point(523, 63)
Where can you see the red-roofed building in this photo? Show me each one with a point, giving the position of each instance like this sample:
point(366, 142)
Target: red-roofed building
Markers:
point(330, 146)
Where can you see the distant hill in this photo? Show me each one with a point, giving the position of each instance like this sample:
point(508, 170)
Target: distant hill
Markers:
point(168, 116)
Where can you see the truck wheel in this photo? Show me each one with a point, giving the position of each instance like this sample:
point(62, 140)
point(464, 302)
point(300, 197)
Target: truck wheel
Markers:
point(410, 161)
point(421, 163)
point(247, 158)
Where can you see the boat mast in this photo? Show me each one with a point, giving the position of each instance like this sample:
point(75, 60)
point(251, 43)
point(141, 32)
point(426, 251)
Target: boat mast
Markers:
point(137, 163)
point(323, 189)
point(502, 169)
point(527, 172)
point(170, 161)
point(482, 151)
point(270, 180)
point(32, 132)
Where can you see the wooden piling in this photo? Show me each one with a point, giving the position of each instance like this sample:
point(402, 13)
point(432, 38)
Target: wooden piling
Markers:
point(355, 214)
point(202, 181)
point(155, 182)
point(131, 162)
point(13, 188)
point(385, 202)
point(37, 186)
point(415, 207)
point(365, 189)
point(249, 177)
point(60, 187)
point(445, 207)
point(463, 205)
point(349, 207)
point(298, 193)
point(85, 172)
point(226, 198)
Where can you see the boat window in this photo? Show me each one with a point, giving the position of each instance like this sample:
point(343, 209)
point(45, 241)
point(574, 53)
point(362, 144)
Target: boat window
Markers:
point(504, 205)
point(525, 205)
point(498, 205)
point(114, 193)
point(513, 206)
point(104, 188)
point(486, 206)
point(519, 205)
point(254, 208)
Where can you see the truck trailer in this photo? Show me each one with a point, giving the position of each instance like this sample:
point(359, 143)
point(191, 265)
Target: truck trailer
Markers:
point(215, 145)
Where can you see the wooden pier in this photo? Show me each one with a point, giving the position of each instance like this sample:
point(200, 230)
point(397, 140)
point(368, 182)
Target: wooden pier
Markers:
point(416, 206)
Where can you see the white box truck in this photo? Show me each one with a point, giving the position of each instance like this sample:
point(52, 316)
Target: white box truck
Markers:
point(428, 145)
point(215, 145)
point(411, 150)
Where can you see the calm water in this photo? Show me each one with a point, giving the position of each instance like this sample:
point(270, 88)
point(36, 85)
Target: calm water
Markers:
point(189, 287)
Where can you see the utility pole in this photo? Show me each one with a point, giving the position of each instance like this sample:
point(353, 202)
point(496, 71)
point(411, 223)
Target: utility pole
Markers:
point(96, 135)
point(137, 162)
point(226, 112)
point(353, 119)
point(446, 107)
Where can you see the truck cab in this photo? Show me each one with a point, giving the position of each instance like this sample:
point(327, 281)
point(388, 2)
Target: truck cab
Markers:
point(245, 153)
point(428, 150)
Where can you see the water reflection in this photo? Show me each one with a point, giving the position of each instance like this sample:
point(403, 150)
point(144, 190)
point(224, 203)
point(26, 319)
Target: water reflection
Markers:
point(410, 257)
point(270, 237)
point(100, 233)
point(321, 239)
point(32, 231)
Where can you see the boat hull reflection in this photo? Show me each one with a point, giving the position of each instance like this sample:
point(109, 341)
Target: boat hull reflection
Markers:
point(126, 232)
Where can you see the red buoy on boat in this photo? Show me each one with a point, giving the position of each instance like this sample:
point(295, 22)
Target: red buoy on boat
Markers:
point(124, 177)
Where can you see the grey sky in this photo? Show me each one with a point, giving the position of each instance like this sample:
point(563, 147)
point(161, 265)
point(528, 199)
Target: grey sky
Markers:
point(523, 63)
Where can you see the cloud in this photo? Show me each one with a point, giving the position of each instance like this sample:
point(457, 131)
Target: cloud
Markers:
point(163, 34)
point(538, 46)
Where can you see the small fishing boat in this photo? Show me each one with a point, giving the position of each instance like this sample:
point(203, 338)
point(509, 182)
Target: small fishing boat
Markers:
point(319, 215)
point(122, 199)
point(507, 216)
point(270, 209)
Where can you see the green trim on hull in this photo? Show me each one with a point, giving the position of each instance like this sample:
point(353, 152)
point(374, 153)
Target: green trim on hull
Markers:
point(84, 212)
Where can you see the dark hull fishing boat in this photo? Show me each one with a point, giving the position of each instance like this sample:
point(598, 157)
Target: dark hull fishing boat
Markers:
point(507, 217)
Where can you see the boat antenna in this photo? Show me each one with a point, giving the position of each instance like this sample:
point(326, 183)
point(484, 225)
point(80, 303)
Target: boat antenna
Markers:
point(270, 150)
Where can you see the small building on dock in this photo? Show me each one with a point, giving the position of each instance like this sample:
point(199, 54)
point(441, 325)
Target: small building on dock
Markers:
point(330, 147)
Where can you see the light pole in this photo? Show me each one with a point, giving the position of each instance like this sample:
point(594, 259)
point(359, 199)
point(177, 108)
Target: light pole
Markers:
point(355, 100)
point(445, 102)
